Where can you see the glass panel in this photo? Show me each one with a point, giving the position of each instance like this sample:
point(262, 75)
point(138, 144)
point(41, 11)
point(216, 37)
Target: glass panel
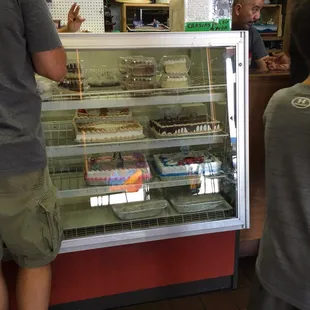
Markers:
point(139, 139)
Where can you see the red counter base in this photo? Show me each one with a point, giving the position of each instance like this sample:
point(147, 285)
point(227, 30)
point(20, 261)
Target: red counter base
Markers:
point(107, 272)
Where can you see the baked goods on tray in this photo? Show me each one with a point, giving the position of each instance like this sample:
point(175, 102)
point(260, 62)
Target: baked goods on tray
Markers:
point(103, 114)
point(184, 126)
point(107, 131)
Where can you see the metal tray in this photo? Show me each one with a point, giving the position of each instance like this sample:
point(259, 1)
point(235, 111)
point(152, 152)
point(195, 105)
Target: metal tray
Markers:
point(198, 203)
point(139, 210)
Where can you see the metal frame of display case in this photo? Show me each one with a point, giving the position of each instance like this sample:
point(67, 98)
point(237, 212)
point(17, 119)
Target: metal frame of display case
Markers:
point(237, 40)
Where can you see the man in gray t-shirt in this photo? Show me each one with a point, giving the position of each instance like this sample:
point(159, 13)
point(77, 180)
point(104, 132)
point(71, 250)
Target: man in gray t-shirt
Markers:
point(244, 14)
point(283, 264)
point(30, 224)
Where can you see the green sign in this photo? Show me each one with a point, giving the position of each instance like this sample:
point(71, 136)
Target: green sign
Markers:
point(221, 25)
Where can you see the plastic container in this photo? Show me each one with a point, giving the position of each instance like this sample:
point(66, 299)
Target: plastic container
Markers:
point(100, 77)
point(45, 87)
point(74, 69)
point(175, 81)
point(138, 210)
point(178, 64)
point(123, 63)
point(140, 83)
point(141, 66)
point(123, 80)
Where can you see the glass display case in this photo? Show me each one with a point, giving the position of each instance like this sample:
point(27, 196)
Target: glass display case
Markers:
point(147, 136)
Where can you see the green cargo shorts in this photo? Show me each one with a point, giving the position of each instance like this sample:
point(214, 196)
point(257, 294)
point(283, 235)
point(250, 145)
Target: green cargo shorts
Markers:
point(30, 224)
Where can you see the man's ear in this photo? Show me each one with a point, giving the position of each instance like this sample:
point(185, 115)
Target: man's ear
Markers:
point(238, 8)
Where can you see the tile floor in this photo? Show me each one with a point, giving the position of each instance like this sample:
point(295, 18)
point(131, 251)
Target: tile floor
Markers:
point(222, 300)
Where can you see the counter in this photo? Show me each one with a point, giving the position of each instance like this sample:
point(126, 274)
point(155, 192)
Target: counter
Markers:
point(261, 88)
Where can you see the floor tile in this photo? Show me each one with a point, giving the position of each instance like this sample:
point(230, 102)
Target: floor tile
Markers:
point(219, 301)
point(243, 279)
point(247, 265)
point(241, 297)
point(187, 303)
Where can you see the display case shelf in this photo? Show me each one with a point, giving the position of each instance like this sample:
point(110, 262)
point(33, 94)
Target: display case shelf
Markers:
point(128, 99)
point(88, 222)
point(72, 184)
point(60, 141)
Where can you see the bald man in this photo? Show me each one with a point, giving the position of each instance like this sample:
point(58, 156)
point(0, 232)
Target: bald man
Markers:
point(244, 14)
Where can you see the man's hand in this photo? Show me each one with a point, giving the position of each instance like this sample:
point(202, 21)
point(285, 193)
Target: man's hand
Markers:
point(74, 19)
point(278, 61)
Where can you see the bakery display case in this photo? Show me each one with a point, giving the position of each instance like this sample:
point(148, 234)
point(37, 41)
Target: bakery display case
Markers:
point(147, 136)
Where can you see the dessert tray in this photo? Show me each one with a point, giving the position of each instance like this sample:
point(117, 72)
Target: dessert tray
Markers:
point(125, 171)
point(103, 114)
point(195, 164)
point(107, 131)
point(184, 126)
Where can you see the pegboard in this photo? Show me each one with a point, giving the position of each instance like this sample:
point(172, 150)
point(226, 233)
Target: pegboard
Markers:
point(91, 10)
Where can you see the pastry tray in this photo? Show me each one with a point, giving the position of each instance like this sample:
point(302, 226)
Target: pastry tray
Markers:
point(198, 203)
point(139, 210)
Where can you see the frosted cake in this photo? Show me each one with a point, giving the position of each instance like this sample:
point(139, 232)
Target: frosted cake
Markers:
point(184, 126)
point(178, 64)
point(106, 131)
point(94, 115)
point(175, 81)
point(121, 171)
point(176, 165)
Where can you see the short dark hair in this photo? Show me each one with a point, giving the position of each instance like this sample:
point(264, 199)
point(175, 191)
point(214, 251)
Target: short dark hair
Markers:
point(300, 27)
point(235, 2)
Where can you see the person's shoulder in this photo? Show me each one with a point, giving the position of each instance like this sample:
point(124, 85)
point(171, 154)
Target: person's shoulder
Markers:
point(283, 94)
point(254, 32)
point(297, 96)
point(296, 91)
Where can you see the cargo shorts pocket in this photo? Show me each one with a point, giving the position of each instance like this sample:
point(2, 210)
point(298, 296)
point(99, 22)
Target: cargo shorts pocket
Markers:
point(50, 218)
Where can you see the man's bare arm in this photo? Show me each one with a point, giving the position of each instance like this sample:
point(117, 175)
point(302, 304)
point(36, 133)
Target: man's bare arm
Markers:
point(261, 64)
point(51, 64)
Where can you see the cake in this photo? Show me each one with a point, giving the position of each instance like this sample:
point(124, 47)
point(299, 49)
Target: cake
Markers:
point(178, 165)
point(176, 64)
point(107, 131)
point(175, 81)
point(184, 126)
point(98, 115)
point(120, 171)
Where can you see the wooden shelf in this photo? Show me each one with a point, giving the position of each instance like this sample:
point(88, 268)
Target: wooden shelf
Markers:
point(271, 38)
point(137, 5)
point(145, 5)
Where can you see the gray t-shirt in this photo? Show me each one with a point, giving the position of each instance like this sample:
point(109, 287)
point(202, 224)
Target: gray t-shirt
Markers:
point(283, 264)
point(26, 27)
point(257, 47)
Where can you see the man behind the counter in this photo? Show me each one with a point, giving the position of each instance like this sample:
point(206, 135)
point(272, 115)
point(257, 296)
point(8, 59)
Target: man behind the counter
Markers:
point(29, 218)
point(244, 14)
